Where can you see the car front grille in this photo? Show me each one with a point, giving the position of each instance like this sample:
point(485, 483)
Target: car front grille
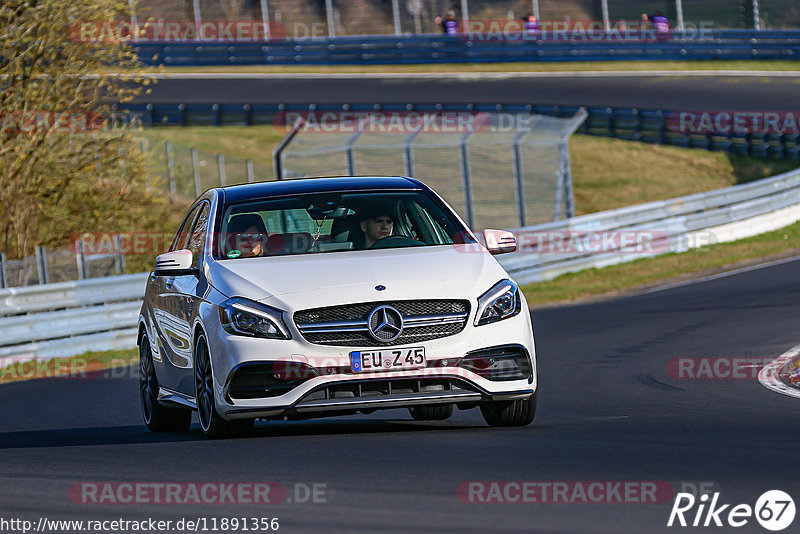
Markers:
point(348, 325)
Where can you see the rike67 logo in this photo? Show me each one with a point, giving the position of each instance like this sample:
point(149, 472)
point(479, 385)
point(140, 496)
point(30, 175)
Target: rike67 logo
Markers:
point(774, 510)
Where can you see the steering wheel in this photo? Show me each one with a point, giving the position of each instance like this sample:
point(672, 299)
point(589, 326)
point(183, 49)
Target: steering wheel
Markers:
point(396, 241)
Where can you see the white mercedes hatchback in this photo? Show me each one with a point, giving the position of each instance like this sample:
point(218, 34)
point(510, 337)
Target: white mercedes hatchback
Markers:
point(332, 296)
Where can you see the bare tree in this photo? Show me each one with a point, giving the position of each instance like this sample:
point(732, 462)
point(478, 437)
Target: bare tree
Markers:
point(65, 166)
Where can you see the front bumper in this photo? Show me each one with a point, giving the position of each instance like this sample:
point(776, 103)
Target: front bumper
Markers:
point(377, 394)
point(335, 389)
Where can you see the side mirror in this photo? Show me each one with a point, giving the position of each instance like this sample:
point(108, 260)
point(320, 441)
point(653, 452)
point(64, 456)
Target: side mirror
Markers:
point(175, 263)
point(499, 241)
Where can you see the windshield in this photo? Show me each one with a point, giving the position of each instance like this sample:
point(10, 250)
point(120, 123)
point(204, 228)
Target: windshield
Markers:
point(335, 222)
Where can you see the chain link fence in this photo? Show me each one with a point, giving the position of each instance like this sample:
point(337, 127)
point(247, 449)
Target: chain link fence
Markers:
point(496, 170)
point(185, 172)
point(61, 264)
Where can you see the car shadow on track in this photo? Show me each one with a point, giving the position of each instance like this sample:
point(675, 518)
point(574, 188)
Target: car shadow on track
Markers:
point(121, 435)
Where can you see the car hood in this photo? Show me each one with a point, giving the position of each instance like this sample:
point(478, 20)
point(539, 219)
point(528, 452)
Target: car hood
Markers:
point(461, 271)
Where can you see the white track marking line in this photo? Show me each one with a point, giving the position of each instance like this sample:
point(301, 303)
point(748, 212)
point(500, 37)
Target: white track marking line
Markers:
point(469, 75)
point(768, 376)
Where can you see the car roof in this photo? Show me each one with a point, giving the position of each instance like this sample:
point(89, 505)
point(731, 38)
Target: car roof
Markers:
point(276, 188)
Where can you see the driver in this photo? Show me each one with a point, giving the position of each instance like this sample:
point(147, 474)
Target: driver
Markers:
point(376, 226)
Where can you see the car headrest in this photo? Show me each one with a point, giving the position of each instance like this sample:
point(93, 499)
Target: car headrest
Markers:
point(240, 223)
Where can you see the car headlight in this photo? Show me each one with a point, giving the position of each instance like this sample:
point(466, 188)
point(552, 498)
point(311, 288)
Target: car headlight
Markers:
point(500, 302)
point(249, 318)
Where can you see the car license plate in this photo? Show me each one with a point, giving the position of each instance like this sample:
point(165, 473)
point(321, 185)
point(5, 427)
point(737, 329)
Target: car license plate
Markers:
point(387, 359)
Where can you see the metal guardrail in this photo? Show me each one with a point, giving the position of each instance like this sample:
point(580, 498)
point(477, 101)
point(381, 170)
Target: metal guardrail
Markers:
point(47, 297)
point(634, 124)
point(59, 320)
point(673, 224)
point(479, 47)
point(69, 318)
point(70, 322)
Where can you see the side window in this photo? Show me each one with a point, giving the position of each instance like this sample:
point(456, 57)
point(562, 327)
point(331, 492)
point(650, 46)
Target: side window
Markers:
point(198, 237)
point(180, 238)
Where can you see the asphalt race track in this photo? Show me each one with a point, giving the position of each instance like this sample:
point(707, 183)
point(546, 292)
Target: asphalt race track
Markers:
point(608, 411)
point(701, 93)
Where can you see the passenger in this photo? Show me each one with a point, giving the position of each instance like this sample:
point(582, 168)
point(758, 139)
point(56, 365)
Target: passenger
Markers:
point(249, 235)
point(250, 242)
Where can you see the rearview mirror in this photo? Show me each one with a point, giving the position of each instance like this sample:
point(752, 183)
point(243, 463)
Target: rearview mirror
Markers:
point(499, 241)
point(175, 263)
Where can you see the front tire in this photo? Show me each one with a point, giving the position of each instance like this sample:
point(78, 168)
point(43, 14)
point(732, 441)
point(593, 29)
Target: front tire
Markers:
point(432, 413)
point(158, 418)
point(212, 424)
point(510, 413)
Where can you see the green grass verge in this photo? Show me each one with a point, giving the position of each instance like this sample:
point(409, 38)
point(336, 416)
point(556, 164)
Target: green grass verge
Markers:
point(87, 365)
point(612, 173)
point(564, 66)
point(241, 142)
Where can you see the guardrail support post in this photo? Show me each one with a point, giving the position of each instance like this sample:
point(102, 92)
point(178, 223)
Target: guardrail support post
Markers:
point(520, 190)
point(3, 274)
point(198, 18)
point(277, 166)
point(171, 169)
point(466, 180)
point(756, 16)
point(248, 114)
point(564, 193)
point(396, 16)
point(612, 123)
point(41, 264)
point(119, 257)
point(80, 258)
point(196, 172)
point(221, 168)
point(408, 160)
point(408, 152)
point(251, 175)
point(265, 19)
point(329, 14)
point(350, 159)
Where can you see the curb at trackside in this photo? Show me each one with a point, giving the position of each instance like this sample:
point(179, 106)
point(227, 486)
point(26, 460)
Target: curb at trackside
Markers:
point(769, 376)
